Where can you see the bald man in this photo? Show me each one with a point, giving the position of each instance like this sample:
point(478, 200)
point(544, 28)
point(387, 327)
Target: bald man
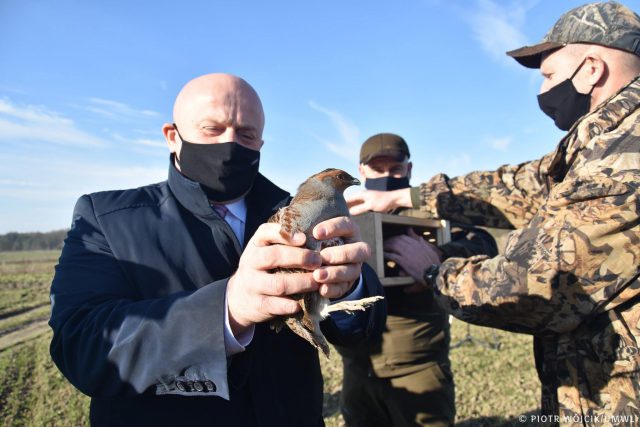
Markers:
point(162, 295)
point(570, 274)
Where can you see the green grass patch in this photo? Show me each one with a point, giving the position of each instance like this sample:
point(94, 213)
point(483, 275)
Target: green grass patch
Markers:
point(12, 323)
point(29, 256)
point(493, 387)
point(16, 297)
point(37, 267)
point(34, 393)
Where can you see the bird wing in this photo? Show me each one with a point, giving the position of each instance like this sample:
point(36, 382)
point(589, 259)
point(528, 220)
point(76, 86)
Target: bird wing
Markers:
point(286, 217)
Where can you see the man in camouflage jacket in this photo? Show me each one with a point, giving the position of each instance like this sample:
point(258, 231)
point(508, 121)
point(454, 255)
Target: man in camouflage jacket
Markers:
point(570, 274)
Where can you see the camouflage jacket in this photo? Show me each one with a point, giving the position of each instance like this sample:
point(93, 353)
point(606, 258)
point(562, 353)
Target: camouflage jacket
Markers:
point(570, 272)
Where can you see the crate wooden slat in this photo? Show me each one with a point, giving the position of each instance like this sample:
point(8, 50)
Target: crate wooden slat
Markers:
point(375, 227)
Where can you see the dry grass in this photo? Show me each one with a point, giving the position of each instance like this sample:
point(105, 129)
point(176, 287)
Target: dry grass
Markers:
point(493, 387)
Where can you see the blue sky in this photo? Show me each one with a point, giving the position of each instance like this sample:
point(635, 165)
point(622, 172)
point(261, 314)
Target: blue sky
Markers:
point(85, 87)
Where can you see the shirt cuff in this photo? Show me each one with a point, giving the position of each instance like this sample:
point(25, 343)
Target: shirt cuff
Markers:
point(357, 292)
point(233, 344)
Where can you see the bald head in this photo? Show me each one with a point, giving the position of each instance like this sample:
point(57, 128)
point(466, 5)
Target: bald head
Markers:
point(221, 89)
point(216, 108)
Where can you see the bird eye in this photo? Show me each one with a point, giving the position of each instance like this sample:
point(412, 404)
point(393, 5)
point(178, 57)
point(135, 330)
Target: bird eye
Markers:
point(342, 177)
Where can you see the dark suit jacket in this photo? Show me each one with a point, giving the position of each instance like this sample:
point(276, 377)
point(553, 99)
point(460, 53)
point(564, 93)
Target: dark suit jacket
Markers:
point(138, 315)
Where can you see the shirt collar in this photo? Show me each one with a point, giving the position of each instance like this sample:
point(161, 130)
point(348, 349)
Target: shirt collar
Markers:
point(238, 209)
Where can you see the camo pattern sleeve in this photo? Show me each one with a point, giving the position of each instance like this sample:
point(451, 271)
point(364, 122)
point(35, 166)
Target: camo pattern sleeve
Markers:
point(570, 276)
point(506, 198)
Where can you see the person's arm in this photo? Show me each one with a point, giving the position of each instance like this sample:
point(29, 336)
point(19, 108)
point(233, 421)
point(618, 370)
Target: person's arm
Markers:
point(414, 255)
point(576, 258)
point(508, 197)
point(108, 341)
point(467, 241)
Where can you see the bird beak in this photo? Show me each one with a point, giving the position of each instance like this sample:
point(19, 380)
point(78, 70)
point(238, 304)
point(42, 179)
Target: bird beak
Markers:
point(355, 181)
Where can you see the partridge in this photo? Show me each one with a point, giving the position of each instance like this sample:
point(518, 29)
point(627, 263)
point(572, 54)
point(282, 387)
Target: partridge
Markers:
point(319, 198)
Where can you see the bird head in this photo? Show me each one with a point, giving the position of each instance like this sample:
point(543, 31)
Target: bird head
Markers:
point(336, 178)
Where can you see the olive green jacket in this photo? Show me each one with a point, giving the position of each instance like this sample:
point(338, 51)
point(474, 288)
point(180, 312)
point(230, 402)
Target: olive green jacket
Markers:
point(569, 274)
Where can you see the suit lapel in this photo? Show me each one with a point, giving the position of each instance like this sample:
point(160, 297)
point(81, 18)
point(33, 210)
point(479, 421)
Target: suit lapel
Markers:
point(264, 199)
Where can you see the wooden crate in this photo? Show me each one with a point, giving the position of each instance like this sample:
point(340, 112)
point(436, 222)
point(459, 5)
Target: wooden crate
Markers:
point(375, 227)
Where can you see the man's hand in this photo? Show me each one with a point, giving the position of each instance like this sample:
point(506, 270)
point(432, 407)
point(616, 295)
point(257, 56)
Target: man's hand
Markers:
point(378, 201)
point(413, 254)
point(341, 265)
point(255, 295)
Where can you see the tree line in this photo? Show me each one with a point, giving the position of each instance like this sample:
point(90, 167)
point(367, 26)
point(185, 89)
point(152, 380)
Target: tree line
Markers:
point(14, 241)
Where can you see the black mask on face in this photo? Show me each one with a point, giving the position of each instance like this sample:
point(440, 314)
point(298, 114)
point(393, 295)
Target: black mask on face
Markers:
point(564, 104)
point(226, 171)
point(386, 183)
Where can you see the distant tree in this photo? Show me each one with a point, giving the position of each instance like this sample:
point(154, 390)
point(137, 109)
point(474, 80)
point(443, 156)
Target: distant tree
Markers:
point(13, 241)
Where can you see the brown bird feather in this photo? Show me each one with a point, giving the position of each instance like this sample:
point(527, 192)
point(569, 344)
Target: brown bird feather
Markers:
point(319, 198)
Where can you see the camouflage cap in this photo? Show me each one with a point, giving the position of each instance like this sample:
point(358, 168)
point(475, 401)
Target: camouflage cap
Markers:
point(384, 144)
point(608, 24)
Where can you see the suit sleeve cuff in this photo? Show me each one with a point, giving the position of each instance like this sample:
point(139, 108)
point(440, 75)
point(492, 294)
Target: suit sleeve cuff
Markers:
point(233, 344)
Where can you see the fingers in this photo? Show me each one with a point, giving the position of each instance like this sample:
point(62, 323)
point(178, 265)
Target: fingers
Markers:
point(378, 201)
point(358, 203)
point(284, 256)
point(402, 244)
point(278, 306)
point(337, 274)
point(354, 199)
point(359, 208)
point(255, 296)
point(351, 253)
point(341, 264)
point(285, 283)
point(411, 233)
point(336, 290)
point(269, 233)
point(393, 256)
point(341, 226)
point(392, 242)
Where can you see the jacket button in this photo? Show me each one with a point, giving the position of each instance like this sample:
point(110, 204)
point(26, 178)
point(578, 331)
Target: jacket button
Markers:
point(210, 386)
point(197, 386)
point(180, 386)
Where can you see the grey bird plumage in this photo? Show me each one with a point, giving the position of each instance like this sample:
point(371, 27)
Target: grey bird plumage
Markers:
point(319, 198)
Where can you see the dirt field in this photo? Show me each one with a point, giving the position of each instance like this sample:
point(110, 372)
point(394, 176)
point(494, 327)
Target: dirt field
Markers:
point(493, 386)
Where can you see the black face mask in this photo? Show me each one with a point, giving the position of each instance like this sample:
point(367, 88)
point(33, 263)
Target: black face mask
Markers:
point(564, 104)
point(226, 171)
point(386, 183)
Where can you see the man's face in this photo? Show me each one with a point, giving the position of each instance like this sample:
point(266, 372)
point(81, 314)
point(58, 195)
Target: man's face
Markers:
point(558, 66)
point(382, 166)
point(217, 110)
